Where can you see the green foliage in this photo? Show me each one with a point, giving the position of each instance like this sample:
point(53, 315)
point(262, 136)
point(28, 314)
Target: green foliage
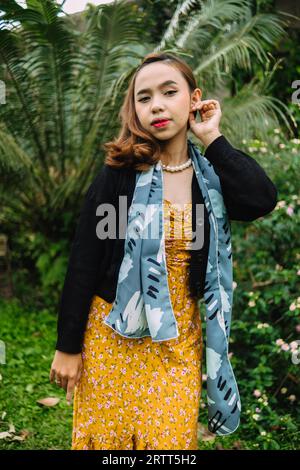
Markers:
point(29, 337)
point(65, 88)
point(266, 309)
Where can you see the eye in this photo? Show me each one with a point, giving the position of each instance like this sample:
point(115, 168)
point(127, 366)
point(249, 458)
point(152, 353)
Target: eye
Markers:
point(170, 91)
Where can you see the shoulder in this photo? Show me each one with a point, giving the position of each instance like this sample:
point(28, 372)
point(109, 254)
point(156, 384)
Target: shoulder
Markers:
point(108, 180)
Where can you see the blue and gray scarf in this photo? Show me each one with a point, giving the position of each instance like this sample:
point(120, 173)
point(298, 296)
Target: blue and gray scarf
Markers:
point(143, 307)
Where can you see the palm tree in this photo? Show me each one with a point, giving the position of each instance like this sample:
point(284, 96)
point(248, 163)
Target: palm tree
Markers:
point(64, 87)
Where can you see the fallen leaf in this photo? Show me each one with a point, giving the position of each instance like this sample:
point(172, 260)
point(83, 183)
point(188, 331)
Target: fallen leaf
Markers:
point(4, 435)
point(18, 438)
point(23, 435)
point(49, 401)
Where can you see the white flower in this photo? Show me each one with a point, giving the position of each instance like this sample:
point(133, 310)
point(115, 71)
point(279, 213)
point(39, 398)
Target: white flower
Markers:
point(263, 433)
point(256, 417)
point(294, 345)
point(263, 325)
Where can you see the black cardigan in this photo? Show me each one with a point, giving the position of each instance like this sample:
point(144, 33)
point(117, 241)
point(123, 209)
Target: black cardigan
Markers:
point(94, 263)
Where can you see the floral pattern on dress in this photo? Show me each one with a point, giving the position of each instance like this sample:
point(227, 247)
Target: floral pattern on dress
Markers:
point(139, 394)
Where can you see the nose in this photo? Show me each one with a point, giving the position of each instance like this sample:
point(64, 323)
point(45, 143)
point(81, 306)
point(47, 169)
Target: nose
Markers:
point(156, 106)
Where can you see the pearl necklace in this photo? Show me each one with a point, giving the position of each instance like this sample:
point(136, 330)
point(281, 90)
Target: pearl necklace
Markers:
point(176, 167)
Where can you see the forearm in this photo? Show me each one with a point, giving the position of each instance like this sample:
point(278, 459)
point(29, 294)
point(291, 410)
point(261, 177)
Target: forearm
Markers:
point(247, 190)
point(83, 272)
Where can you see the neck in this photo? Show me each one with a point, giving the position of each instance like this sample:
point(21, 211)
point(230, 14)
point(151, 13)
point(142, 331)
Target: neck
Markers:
point(175, 151)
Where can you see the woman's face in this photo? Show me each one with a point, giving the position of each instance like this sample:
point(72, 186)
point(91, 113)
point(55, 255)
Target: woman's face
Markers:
point(158, 100)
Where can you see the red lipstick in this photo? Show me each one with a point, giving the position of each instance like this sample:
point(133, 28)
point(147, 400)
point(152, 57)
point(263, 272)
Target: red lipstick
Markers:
point(161, 123)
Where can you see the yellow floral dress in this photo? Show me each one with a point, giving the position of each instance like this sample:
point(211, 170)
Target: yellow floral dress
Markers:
point(139, 394)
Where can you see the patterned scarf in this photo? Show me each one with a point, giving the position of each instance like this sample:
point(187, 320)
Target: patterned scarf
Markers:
point(143, 307)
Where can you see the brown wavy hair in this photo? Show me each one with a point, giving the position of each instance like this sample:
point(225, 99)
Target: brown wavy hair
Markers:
point(135, 147)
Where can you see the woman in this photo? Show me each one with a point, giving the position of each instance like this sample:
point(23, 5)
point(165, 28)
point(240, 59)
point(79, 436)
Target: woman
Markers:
point(129, 342)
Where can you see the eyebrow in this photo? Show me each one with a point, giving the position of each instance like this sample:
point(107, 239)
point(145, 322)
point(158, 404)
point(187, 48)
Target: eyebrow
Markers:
point(167, 82)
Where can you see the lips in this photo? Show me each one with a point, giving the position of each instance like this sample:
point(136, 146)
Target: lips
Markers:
point(161, 123)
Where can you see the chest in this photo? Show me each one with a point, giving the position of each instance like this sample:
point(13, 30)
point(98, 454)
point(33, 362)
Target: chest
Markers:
point(177, 186)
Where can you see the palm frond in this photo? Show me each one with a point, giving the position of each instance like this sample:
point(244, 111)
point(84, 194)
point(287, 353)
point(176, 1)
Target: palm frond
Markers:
point(65, 89)
point(174, 24)
point(232, 48)
point(209, 18)
point(252, 111)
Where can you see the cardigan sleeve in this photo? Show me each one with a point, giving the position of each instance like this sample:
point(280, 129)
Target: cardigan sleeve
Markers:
point(83, 268)
point(247, 190)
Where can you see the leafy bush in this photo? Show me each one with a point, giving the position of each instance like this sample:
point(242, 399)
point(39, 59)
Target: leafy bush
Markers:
point(266, 310)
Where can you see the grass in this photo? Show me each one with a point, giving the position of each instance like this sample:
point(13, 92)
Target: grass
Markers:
point(30, 344)
point(29, 336)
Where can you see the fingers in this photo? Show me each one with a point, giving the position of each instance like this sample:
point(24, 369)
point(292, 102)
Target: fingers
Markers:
point(70, 389)
point(52, 375)
point(78, 375)
point(64, 383)
point(212, 103)
point(59, 380)
point(207, 109)
point(206, 105)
